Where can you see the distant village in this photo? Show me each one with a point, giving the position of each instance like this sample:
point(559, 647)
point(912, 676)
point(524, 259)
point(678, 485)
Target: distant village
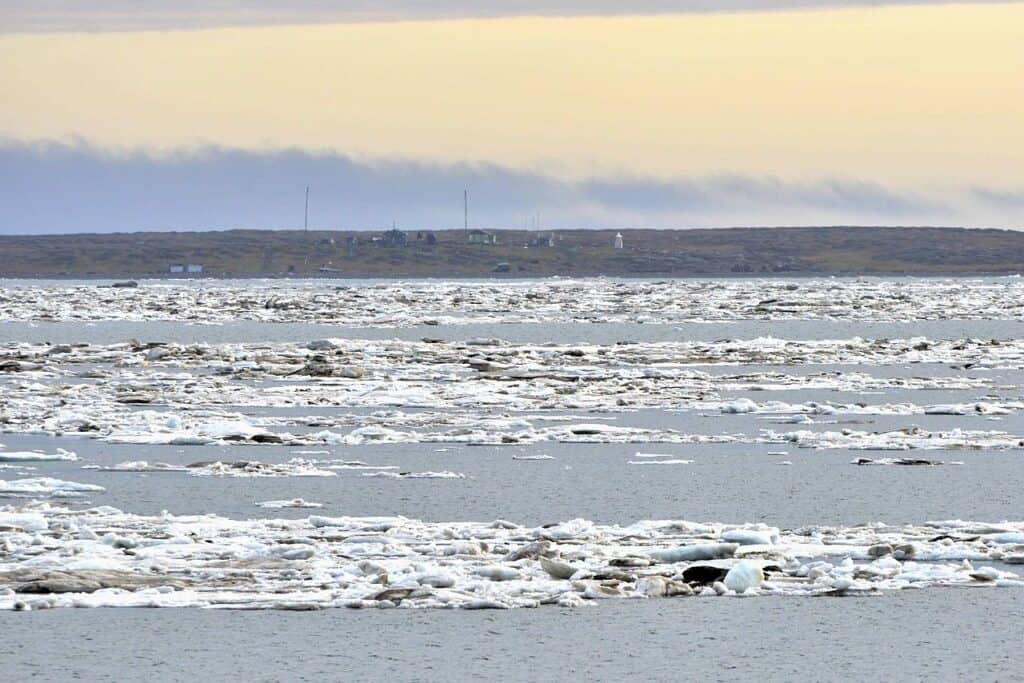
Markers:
point(400, 238)
point(481, 253)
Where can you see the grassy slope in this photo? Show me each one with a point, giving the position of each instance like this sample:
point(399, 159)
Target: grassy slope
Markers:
point(577, 252)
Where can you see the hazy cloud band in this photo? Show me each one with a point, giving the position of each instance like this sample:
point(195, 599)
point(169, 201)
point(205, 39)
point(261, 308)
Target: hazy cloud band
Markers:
point(54, 188)
point(128, 15)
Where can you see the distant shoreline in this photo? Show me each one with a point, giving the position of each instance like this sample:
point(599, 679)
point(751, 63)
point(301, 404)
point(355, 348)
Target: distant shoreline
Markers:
point(153, 279)
point(517, 254)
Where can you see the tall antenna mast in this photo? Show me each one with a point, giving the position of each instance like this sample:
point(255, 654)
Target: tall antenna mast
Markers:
point(305, 220)
point(465, 209)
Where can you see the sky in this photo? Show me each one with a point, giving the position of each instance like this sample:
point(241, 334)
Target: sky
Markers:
point(569, 113)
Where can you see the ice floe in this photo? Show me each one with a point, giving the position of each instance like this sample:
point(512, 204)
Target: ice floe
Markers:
point(101, 557)
point(902, 461)
point(438, 392)
point(662, 461)
point(445, 474)
point(909, 438)
point(293, 503)
point(424, 302)
point(296, 467)
point(46, 487)
point(37, 456)
point(140, 466)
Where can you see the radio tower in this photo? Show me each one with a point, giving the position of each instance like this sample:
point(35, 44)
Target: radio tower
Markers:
point(305, 220)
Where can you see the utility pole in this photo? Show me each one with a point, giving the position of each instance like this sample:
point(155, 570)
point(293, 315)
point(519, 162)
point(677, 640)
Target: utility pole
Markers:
point(305, 221)
point(465, 209)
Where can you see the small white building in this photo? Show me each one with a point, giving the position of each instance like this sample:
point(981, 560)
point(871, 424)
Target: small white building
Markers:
point(194, 268)
point(176, 268)
point(482, 237)
point(618, 240)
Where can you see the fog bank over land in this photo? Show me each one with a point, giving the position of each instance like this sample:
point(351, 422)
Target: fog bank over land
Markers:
point(215, 188)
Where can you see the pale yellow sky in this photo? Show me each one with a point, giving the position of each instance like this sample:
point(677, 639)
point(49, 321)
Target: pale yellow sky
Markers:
point(903, 96)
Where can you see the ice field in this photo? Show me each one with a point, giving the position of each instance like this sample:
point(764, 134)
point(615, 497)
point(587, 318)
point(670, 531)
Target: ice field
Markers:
point(558, 445)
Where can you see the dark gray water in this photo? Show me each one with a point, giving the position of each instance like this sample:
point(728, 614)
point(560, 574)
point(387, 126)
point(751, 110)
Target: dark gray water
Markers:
point(956, 634)
point(726, 482)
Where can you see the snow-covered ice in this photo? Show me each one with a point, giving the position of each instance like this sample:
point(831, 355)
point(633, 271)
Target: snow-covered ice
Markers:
point(103, 557)
point(271, 417)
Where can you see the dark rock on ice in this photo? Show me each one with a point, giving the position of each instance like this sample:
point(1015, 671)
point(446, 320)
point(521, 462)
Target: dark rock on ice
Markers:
point(703, 574)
